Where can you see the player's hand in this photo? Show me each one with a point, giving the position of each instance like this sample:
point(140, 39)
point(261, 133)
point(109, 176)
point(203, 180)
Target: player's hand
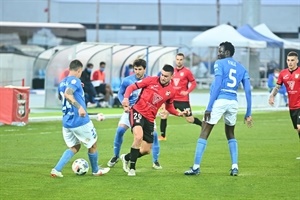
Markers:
point(248, 121)
point(81, 112)
point(184, 93)
point(125, 104)
point(207, 115)
point(271, 100)
point(186, 112)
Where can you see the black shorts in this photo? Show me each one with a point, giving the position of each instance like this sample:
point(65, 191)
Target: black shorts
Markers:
point(295, 117)
point(101, 88)
point(183, 105)
point(136, 119)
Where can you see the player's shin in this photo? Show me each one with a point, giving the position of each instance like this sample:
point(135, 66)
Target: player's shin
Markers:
point(200, 148)
point(134, 153)
point(66, 156)
point(118, 140)
point(93, 157)
point(233, 149)
point(155, 147)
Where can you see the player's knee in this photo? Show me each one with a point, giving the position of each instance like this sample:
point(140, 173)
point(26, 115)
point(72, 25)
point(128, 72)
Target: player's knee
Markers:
point(190, 119)
point(75, 148)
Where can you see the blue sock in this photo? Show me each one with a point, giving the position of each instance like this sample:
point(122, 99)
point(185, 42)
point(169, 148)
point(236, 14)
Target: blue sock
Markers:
point(94, 161)
point(67, 155)
point(155, 147)
point(118, 140)
point(201, 144)
point(233, 148)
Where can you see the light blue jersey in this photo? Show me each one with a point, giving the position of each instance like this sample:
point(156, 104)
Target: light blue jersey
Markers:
point(229, 74)
point(71, 118)
point(125, 83)
point(232, 74)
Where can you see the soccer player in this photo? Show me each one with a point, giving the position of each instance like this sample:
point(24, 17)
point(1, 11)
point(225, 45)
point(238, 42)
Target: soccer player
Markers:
point(223, 102)
point(139, 67)
point(155, 91)
point(77, 126)
point(184, 83)
point(290, 77)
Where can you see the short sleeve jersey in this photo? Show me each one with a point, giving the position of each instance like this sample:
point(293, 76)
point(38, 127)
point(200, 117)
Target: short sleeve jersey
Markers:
point(152, 96)
point(181, 79)
point(291, 80)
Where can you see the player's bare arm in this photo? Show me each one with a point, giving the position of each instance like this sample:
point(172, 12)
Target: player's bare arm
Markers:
point(70, 98)
point(125, 104)
point(273, 94)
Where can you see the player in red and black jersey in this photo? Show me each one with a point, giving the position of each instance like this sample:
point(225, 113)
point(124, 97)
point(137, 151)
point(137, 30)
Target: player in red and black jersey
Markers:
point(290, 77)
point(154, 92)
point(184, 83)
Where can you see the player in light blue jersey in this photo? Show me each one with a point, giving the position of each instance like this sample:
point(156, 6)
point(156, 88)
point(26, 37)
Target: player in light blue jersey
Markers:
point(77, 126)
point(139, 67)
point(223, 102)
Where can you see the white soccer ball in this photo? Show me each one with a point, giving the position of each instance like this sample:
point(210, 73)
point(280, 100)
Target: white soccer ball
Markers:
point(100, 117)
point(80, 166)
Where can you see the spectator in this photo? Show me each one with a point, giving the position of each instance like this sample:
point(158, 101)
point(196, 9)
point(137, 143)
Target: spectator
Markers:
point(88, 87)
point(100, 85)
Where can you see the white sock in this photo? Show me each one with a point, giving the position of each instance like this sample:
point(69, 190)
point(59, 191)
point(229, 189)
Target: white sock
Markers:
point(234, 166)
point(195, 166)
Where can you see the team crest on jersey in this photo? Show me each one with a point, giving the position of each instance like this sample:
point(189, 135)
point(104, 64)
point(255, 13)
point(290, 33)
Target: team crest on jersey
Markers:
point(181, 74)
point(168, 93)
point(291, 84)
point(176, 81)
point(297, 75)
point(156, 98)
point(73, 81)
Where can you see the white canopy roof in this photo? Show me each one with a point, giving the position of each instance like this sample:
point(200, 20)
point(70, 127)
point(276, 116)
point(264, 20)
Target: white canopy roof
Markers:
point(214, 36)
point(264, 30)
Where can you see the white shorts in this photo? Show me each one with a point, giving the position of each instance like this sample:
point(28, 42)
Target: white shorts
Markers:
point(125, 120)
point(226, 108)
point(85, 134)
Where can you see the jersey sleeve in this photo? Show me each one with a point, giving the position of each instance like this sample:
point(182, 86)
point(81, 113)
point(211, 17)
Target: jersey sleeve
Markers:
point(192, 80)
point(122, 89)
point(144, 82)
point(280, 79)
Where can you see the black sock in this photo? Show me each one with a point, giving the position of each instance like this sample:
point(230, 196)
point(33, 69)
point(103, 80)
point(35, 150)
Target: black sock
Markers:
point(140, 155)
point(134, 153)
point(299, 134)
point(197, 121)
point(163, 127)
point(127, 157)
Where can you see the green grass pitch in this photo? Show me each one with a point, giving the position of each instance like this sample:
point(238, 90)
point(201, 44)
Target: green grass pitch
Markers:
point(267, 163)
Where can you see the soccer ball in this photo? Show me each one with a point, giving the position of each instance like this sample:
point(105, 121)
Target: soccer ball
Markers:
point(80, 166)
point(100, 117)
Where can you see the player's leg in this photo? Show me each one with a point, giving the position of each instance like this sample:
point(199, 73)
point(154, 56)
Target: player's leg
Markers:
point(122, 127)
point(88, 136)
point(155, 151)
point(216, 114)
point(295, 117)
point(74, 145)
point(190, 118)
point(163, 123)
point(230, 121)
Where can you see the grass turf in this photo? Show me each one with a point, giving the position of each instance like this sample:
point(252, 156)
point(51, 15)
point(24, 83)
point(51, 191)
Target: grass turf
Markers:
point(267, 164)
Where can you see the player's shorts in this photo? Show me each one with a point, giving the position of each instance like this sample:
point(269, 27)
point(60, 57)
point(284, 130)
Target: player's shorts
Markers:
point(226, 108)
point(136, 119)
point(85, 134)
point(295, 117)
point(125, 120)
point(183, 105)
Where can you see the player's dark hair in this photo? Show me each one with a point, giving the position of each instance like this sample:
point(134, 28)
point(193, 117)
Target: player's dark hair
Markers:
point(102, 63)
point(89, 65)
point(180, 54)
point(168, 68)
point(292, 53)
point(229, 47)
point(75, 65)
point(139, 62)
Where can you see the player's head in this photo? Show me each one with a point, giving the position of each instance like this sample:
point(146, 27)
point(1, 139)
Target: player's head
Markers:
point(75, 68)
point(179, 60)
point(166, 74)
point(226, 49)
point(276, 72)
point(139, 68)
point(89, 67)
point(292, 60)
point(102, 66)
